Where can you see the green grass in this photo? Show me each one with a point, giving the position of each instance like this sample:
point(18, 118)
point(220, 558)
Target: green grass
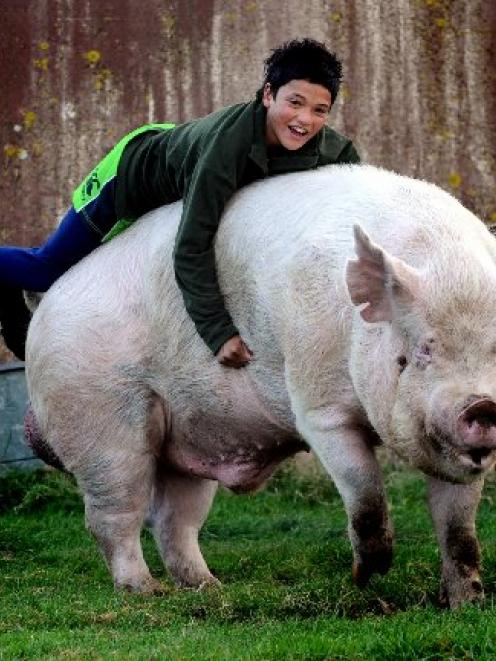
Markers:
point(284, 560)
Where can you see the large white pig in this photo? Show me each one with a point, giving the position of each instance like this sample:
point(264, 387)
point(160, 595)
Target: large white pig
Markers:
point(382, 331)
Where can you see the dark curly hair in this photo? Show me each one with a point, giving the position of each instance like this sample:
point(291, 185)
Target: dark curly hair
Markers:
point(302, 59)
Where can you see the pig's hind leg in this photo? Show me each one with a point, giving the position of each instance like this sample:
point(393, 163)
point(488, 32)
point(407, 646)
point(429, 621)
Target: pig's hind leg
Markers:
point(179, 508)
point(115, 509)
point(116, 475)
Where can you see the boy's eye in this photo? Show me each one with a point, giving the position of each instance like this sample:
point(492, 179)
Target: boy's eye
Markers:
point(295, 102)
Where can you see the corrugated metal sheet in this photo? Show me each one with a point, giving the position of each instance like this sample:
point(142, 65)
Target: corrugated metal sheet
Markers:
point(419, 94)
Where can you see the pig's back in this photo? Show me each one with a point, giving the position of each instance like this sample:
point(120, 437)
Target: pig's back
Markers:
point(267, 225)
point(276, 217)
point(271, 231)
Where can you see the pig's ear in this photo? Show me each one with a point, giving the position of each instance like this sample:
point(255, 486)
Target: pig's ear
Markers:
point(379, 280)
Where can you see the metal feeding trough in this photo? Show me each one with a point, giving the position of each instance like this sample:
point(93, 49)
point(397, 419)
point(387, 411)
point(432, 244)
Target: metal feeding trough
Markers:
point(14, 453)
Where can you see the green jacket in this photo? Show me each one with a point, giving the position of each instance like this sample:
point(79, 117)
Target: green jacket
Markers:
point(204, 162)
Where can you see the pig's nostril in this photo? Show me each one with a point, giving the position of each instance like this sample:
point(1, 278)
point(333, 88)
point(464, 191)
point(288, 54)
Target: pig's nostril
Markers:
point(478, 454)
point(484, 420)
point(482, 412)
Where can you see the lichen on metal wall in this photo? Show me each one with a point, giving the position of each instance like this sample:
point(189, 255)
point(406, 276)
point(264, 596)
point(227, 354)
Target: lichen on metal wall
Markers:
point(418, 94)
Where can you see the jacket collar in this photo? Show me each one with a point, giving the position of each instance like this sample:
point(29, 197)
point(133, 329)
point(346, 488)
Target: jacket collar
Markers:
point(258, 151)
point(282, 160)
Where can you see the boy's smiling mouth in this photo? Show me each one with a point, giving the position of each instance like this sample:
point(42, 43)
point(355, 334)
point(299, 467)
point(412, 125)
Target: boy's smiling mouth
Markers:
point(298, 131)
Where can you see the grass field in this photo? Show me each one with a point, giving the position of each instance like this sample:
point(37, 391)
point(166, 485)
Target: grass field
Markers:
point(284, 560)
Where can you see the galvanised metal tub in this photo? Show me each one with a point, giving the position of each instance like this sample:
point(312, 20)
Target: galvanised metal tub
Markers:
point(14, 453)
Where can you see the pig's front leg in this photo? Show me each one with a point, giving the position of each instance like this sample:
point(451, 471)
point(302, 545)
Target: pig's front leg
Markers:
point(348, 456)
point(454, 508)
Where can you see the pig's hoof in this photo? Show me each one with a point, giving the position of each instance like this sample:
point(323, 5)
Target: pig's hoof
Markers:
point(371, 563)
point(201, 584)
point(146, 586)
point(361, 574)
point(209, 584)
point(462, 592)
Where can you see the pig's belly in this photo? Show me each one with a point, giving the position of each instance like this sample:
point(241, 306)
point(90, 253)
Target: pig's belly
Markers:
point(239, 456)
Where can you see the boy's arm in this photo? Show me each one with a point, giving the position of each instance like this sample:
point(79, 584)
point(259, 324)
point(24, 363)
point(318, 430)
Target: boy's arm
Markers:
point(194, 255)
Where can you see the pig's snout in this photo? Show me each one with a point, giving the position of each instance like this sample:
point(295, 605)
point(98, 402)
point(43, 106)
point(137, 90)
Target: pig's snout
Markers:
point(476, 428)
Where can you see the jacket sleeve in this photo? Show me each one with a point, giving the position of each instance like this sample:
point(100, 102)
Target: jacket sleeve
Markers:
point(211, 184)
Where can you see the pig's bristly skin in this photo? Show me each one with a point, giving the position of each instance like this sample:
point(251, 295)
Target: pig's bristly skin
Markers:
point(368, 300)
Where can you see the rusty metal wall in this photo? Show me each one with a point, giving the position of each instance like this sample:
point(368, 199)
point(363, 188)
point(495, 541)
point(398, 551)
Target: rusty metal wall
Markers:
point(419, 94)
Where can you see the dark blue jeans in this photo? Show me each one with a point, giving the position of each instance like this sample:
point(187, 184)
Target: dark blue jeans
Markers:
point(36, 269)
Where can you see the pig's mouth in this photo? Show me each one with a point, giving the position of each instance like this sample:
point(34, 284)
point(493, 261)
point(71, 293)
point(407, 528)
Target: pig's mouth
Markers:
point(461, 444)
point(457, 460)
point(478, 460)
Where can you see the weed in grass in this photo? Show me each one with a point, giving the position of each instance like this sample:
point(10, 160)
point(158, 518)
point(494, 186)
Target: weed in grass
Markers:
point(23, 491)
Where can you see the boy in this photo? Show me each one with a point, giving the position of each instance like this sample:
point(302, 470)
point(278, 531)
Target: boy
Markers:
point(203, 162)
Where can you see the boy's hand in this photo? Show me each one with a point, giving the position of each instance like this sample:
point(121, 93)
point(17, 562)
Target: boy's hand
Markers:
point(234, 353)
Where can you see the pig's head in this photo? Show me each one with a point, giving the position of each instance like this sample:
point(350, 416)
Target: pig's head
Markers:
point(438, 355)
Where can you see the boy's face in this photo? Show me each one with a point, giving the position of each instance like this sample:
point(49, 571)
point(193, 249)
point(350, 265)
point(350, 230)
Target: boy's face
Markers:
point(297, 113)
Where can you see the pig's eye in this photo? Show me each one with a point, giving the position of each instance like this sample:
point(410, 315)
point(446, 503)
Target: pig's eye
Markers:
point(402, 362)
point(422, 354)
